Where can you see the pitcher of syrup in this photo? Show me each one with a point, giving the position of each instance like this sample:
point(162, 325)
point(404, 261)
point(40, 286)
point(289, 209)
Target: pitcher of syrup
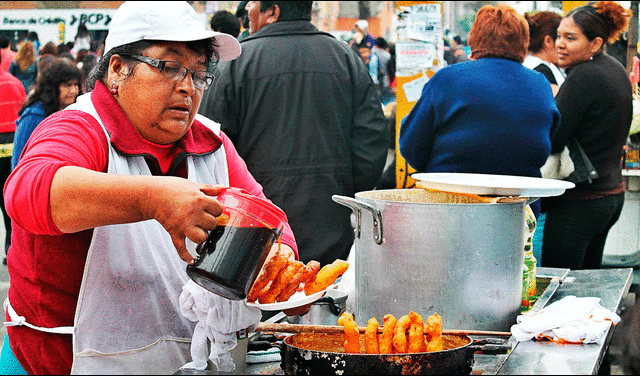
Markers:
point(230, 259)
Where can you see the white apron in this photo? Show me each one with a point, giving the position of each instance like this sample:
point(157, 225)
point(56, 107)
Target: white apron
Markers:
point(128, 318)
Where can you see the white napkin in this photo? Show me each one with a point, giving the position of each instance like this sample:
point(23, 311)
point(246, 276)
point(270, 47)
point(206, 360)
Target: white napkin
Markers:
point(217, 319)
point(571, 319)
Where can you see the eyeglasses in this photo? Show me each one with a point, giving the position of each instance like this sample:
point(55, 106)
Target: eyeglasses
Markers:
point(176, 71)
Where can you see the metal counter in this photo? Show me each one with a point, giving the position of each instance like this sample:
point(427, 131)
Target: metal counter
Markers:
point(546, 357)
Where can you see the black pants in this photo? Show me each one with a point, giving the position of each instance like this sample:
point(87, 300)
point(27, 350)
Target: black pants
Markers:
point(6, 145)
point(575, 232)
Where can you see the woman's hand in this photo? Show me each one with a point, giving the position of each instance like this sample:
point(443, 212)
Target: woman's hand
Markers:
point(185, 210)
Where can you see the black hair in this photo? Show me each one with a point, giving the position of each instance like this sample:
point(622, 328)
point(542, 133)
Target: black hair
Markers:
point(88, 62)
point(47, 88)
point(32, 36)
point(604, 19)
point(4, 42)
point(207, 47)
point(67, 55)
point(49, 48)
point(62, 47)
point(381, 42)
point(290, 10)
point(240, 10)
point(225, 22)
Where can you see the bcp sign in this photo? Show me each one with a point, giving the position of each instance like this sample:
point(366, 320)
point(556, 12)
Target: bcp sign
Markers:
point(46, 21)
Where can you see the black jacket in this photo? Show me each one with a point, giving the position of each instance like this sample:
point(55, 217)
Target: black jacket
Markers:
point(304, 114)
point(596, 107)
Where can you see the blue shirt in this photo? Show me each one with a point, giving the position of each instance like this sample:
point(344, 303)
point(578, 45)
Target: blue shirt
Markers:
point(28, 121)
point(490, 116)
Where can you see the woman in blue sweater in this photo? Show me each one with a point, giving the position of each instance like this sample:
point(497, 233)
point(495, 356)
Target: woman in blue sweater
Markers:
point(490, 115)
point(57, 87)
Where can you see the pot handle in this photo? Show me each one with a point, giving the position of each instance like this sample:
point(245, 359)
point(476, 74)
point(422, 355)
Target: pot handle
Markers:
point(357, 206)
point(333, 307)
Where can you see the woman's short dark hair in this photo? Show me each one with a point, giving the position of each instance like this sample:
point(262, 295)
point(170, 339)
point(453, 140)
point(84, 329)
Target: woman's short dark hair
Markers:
point(47, 89)
point(224, 21)
point(290, 10)
point(207, 47)
point(32, 36)
point(542, 24)
point(49, 49)
point(499, 31)
point(604, 19)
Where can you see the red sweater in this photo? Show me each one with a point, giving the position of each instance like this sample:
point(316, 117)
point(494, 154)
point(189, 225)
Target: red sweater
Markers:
point(46, 265)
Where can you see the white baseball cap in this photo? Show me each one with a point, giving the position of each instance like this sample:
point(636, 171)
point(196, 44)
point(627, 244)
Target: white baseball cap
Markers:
point(175, 21)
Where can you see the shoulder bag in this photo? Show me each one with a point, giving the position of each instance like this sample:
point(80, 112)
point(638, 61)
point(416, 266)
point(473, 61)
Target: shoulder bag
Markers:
point(583, 169)
point(572, 164)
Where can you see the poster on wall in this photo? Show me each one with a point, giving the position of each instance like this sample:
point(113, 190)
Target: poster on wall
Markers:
point(411, 56)
point(420, 45)
point(424, 22)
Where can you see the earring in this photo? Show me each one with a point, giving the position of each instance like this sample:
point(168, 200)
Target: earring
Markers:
point(114, 88)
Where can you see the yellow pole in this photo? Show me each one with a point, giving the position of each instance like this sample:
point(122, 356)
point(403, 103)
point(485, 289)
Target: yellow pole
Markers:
point(61, 32)
point(568, 6)
point(403, 107)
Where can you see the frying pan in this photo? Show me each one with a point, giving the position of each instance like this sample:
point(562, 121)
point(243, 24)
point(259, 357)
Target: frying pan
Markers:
point(322, 354)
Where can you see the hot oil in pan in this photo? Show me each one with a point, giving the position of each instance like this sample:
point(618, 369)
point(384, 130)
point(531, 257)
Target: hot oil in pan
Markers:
point(334, 342)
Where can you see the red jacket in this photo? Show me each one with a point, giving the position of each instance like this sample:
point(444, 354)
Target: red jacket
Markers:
point(12, 96)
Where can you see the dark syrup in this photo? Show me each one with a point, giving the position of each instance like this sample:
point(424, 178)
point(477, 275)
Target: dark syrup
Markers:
point(230, 259)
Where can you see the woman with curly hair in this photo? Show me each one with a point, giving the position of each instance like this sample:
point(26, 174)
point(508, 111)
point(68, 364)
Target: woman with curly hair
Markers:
point(57, 88)
point(595, 104)
point(24, 67)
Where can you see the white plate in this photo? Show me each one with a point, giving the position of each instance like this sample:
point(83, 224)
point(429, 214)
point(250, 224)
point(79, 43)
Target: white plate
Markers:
point(296, 300)
point(493, 185)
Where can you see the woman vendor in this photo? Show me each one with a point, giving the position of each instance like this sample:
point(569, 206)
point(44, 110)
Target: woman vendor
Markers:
point(106, 196)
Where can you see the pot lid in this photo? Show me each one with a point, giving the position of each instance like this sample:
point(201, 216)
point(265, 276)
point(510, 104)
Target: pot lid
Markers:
point(492, 185)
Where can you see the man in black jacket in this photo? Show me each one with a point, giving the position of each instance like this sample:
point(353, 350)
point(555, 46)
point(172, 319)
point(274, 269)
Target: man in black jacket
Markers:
point(304, 114)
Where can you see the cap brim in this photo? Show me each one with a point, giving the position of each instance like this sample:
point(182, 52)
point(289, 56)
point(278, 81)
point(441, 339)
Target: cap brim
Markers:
point(228, 46)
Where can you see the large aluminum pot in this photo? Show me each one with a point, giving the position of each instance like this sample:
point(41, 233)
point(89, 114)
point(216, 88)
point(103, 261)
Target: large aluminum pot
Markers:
point(414, 253)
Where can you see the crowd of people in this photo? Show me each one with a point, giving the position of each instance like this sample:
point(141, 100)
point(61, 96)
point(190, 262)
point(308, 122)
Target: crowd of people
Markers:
point(155, 120)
